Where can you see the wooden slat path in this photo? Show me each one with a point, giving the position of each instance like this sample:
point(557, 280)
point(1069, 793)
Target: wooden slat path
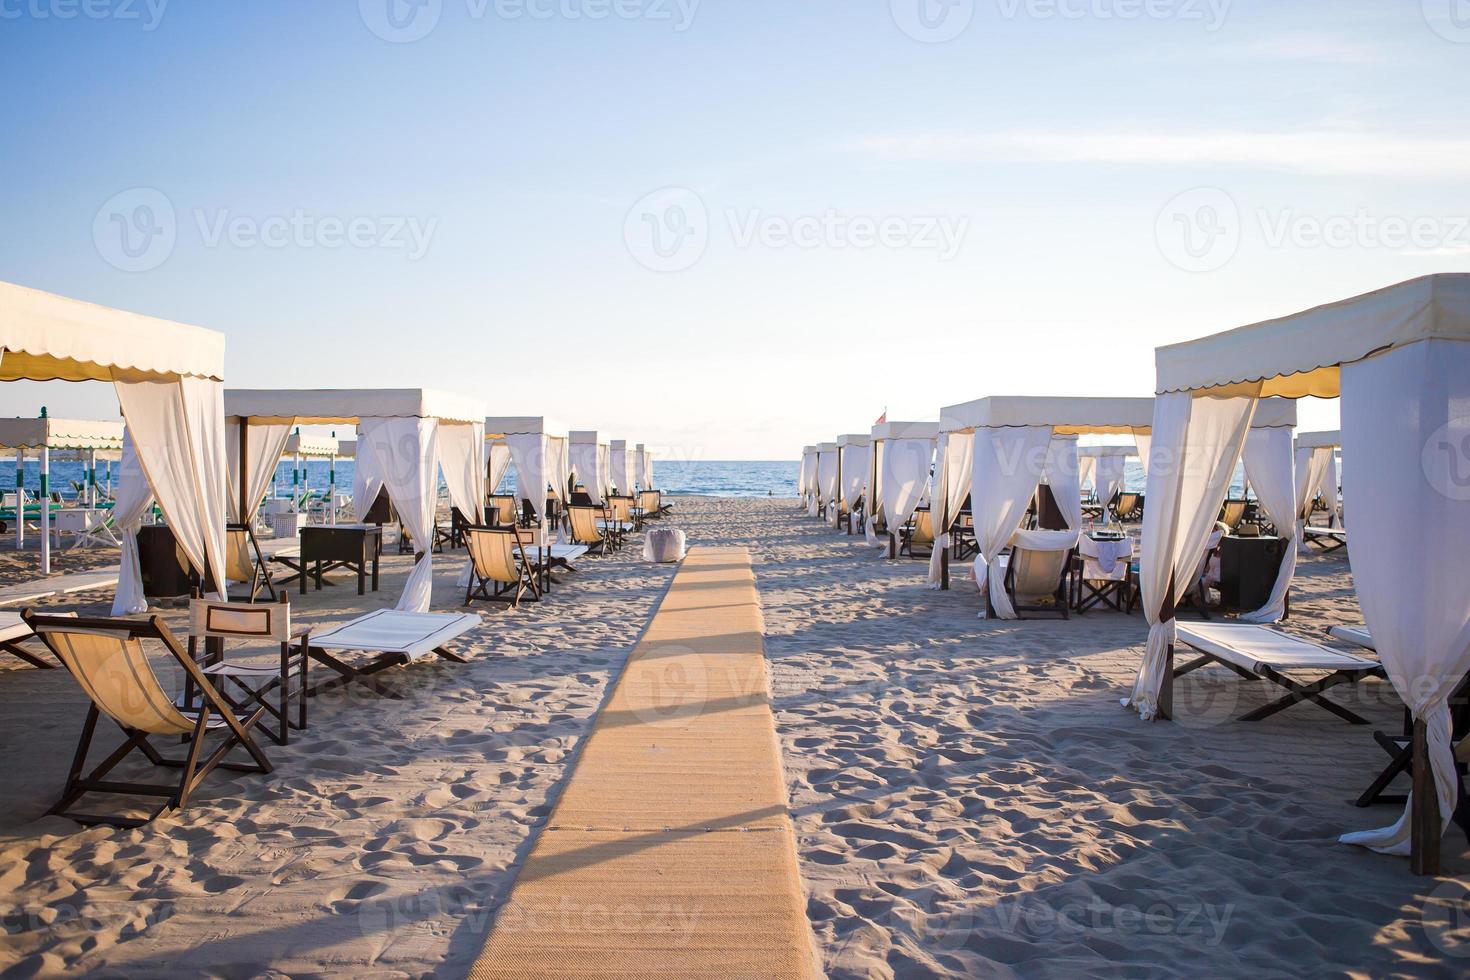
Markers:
point(671, 852)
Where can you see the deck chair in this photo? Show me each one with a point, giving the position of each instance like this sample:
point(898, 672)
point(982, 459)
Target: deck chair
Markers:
point(1127, 507)
point(1036, 576)
point(917, 533)
point(394, 636)
point(1255, 652)
point(245, 564)
point(501, 510)
point(650, 502)
point(584, 527)
point(621, 510)
point(500, 569)
point(1102, 575)
point(247, 683)
point(1196, 592)
point(1232, 512)
point(107, 658)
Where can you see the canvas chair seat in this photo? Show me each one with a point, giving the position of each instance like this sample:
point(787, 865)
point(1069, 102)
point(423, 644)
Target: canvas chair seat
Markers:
point(500, 565)
point(1035, 572)
point(1257, 652)
point(213, 625)
point(917, 533)
point(585, 527)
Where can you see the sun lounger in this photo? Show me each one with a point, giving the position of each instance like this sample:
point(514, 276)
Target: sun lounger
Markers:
point(107, 658)
point(1255, 652)
point(1326, 538)
point(395, 637)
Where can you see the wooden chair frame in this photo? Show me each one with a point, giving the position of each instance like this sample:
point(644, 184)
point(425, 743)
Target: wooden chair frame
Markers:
point(491, 589)
point(210, 656)
point(1061, 594)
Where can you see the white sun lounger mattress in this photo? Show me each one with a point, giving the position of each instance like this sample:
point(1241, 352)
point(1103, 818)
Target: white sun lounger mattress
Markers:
point(1255, 647)
point(391, 631)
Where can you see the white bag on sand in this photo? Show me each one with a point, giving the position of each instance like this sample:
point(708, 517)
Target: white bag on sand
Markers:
point(664, 544)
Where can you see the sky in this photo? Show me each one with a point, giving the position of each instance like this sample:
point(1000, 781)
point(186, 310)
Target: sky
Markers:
point(725, 228)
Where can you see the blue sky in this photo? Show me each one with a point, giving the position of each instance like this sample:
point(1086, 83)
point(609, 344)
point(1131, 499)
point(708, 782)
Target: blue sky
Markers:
point(725, 228)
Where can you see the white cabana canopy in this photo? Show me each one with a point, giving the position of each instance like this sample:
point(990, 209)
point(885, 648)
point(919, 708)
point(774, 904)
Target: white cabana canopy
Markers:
point(313, 446)
point(1103, 468)
point(1319, 440)
point(591, 463)
point(167, 377)
point(60, 434)
point(903, 453)
point(1399, 359)
point(826, 478)
point(405, 436)
point(1316, 473)
point(854, 460)
point(538, 446)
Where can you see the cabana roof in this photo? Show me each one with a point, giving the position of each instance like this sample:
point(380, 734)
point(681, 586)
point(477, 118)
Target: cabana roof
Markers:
point(905, 430)
point(826, 447)
point(1299, 355)
point(807, 450)
point(60, 434)
point(499, 427)
point(855, 439)
point(1101, 452)
point(583, 437)
point(319, 447)
point(1319, 440)
point(46, 337)
point(1066, 415)
point(346, 406)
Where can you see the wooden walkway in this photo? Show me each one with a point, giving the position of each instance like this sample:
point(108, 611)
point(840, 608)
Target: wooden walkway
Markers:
point(671, 852)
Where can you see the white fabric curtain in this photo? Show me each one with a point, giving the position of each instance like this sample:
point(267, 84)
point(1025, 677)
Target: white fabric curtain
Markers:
point(558, 471)
point(1061, 474)
point(461, 448)
point(1087, 472)
point(618, 475)
point(1199, 442)
point(806, 481)
point(645, 469)
point(856, 461)
point(604, 471)
point(1007, 468)
point(1270, 467)
point(1330, 483)
point(406, 461)
point(953, 470)
point(901, 482)
point(1145, 443)
point(528, 451)
point(179, 432)
point(585, 459)
point(1408, 411)
point(132, 500)
point(265, 444)
point(1311, 470)
point(875, 493)
point(827, 478)
point(366, 483)
point(1110, 474)
point(497, 463)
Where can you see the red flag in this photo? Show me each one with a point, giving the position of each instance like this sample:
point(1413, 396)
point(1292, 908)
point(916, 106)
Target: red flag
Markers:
point(882, 418)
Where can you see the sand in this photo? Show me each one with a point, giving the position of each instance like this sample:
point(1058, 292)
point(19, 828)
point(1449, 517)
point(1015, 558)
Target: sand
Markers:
point(969, 797)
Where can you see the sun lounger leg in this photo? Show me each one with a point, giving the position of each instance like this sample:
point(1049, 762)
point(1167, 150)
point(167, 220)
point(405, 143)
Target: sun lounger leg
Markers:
point(1306, 692)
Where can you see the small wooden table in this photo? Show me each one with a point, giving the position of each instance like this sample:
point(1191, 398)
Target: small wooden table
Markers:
point(352, 546)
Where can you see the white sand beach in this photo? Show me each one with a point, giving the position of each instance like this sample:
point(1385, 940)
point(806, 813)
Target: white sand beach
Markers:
point(969, 797)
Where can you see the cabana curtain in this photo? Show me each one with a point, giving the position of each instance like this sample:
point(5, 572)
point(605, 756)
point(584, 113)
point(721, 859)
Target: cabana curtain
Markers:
point(905, 470)
point(807, 479)
point(264, 446)
point(1408, 410)
point(497, 464)
point(461, 449)
point(179, 430)
point(129, 505)
point(1109, 476)
point(856, 460)
point(1270, 469)
point(586, 460)
point(405, 455)
point(1204, 438)
point(645, 469)
point(953, 471)
point(619, 470)
point(827, 476)
point(1061, 474)
point(1008, 465)
point(528, 451)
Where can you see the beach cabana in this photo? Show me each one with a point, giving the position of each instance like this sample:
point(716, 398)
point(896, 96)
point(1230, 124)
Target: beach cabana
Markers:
point(806, 478)
point(404, 437)
point(854, 461)
point(1399, 360)
point(303, 447)
point(899, 465)
point(1104, 468)
point(168, 382)
point(591, 464)
point(623, 467)
point(44, 436)
point(1316, 474)
point(538, 446)
point(1018, 443)
point(826, 478)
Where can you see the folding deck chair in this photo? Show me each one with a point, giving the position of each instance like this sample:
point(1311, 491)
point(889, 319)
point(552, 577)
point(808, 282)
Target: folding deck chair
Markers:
point(107, 658)
point(1038, 575)
point(245, 565)
point(1103, 574)
point(586, 528)
point(396, 637)
point(244, 683)
point(917, 532)
point(1255, 652)
point(1127, 507)
point(500, 570)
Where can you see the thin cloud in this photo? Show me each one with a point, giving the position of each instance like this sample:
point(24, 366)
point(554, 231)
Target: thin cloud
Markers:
point(1357, 153)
